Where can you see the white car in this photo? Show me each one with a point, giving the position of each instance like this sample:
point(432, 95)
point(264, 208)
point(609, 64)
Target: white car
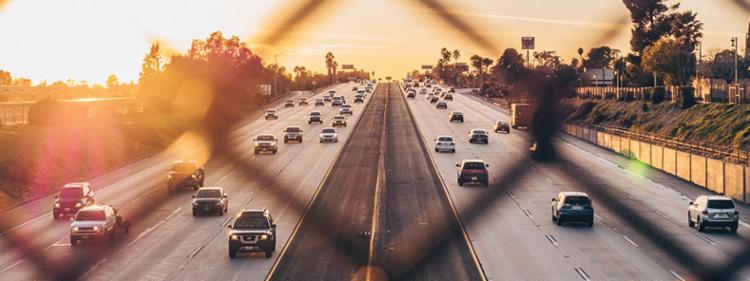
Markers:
point(346, 109)
point(329, 134)
point(445, 143)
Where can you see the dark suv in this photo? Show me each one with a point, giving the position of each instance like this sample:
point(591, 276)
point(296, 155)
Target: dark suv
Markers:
point(472, 171)
point(72, 197)
point(572, 206)
point(185, 173)
point(252, 231)
point(210, 200)
point(478, 136)
point(457, 116)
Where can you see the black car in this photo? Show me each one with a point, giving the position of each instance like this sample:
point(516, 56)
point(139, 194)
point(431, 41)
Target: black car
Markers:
point(472, 171)
point(457, 116)
point(185, 173)
point(319, 102)
point(326, 98)
point(478, 136)
point(434, 99)
point(252, 231)
point(502, 126)
point(448, 97)
point(72, 197)
point(289, 103)
point(359, 99)
point(210, 200)
point(411, 94)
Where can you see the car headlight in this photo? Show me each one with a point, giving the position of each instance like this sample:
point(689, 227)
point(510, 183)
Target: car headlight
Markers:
point(195, 203)
point(78, 205)
point(264, 237)
point(75, 229)
point(257, 144)
point(219, 203)
point(57, 205)
point(234, 237)
point(96, 228)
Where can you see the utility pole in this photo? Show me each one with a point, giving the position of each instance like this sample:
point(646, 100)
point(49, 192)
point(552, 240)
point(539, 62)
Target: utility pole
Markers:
point(735, 44)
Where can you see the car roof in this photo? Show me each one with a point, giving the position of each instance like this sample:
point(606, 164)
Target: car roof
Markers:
point(271, 109)
point(326, 128)
point(185, 161)
point(445, 136)
point(292, 127)
point(457, 113)
point(263, 135)
point(211, 188)
point(339, 116)
point(573, 193)
point(75, 185)
point(477, 129)
point(318, 112)
point(473, 161)
point(717, 197)
point(254, 212)
point(95, 207)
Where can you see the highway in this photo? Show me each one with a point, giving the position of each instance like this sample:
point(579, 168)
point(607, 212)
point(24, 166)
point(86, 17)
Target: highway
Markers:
point(381, 203)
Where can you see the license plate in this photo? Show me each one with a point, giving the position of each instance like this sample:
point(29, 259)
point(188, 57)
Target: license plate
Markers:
point(67, 209)
point(206, 208)
point(721, 215)
point(577, 208)
point(473, 178)
point(251, 248)
point(85, 237)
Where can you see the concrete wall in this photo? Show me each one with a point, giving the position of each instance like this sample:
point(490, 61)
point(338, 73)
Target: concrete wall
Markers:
point(683, 165)
point(698, 170)
point(616, 144)
point(635, 149)
point(670, 161)
point(715, 175)
point(645, 155)
point(594, 136)
point(734, 185)
point(656, 156)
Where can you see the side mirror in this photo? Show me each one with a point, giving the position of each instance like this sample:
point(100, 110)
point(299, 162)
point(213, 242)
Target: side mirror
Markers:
point(486, 165)
point(57, 196)
point(691, 203)
point(229, 226)
point(253, 139)
point(554, 199)
point(72, 219)
point(458, 165)
point(193, 196)
point(273, 225)
point(225, 195)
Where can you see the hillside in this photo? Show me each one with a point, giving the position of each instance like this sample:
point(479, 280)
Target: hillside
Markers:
point(723, 124)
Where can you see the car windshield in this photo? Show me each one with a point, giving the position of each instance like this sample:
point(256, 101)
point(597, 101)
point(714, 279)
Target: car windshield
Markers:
point(251, 222)
point(474, 166)
point(74, 193)
point(208, 193)
point(265, 138)
point(339, 117)
point(720, 204)
point(292, 129)
point(445, 139)
point(183, 167)
point(478, 132)
point(577, 200)
point(329, 131)
point(90, 215)
point(315, 113)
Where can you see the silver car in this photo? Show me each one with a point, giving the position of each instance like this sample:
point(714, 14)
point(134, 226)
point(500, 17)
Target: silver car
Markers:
point(713, 211)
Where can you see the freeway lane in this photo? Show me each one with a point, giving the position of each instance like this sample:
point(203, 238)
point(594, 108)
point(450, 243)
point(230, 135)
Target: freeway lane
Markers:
point(514, 238)
point(125, 191)
point(332, 242)
point(416, 209)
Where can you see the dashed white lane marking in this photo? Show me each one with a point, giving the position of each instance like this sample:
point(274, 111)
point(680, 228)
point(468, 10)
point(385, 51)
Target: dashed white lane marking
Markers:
point(150, 229)
point(552, 239)
point(630, 241)
point(583, 273)
point(12, 265)
point(706, 239)
point(676, 275)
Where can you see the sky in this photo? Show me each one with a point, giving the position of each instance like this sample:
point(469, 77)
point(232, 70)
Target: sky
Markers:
point(88, 40)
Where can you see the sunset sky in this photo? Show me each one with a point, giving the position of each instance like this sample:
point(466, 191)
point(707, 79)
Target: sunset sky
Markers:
point(90, 39)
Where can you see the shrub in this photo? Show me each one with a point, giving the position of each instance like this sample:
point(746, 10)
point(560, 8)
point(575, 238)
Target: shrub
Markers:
point(687, 97)
point(657, 95)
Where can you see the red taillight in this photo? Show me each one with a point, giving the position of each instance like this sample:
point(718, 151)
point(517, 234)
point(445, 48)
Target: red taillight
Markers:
point(705, 212)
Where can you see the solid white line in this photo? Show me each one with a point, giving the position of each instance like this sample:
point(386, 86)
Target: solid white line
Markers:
point(630, 241)
point(676, 275)
point(12, 265)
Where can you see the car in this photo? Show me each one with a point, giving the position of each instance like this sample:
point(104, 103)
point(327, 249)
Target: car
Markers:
point(315, 116)
point(326, 98)
point(338, 120)
point(337, 101)
point(441, 105)
point(354, 89)
point(302, 101)
point(292, 133)
point(457, 116)
point(572, 206)
point(320, 102)
point(713, 211)
point(210, 200)
point(428, 85)
point(331, 92)
point(447, 97)
point(429, 97)
point(472, 170)
point(410, 95)
point(72, 197)
point(265, 143)
point(252, 231)
point(445, 143)
point(434, 99)
point(478, 136)
point(289, 103)
point(359, 99)
point(96, 223)
point(451, 90)
point(422, 91)
point(346, 109)
point(329, 134)
point(501, 126)
point(271, 113)
point(185, 173)
point(343, 99)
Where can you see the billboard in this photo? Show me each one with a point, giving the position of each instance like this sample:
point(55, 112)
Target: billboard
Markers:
point(427, 66)
point(461, 66)
point(264, 89)
point(347, 66)
point(527, 43)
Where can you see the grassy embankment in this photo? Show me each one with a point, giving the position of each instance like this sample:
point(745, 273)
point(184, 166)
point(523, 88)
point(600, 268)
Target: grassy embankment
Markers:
point(723, 124)
point(38, 160)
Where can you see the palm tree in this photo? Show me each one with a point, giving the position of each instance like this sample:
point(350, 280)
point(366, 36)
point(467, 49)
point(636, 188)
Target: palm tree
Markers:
point(456, 55)
point(486, 62)
point(331, 65)
point(446, 55)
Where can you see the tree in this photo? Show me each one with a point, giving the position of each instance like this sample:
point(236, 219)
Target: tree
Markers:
point(112, 81)
point(600, 57)
point(486, 63)
point(650, 22)
point(26, 82)
point(5, 78)
point(446, 55)
point(510, 67)
point(331, 65)
point(152, 62)
point(456, 55)
point(548, 59)
point(670, 59)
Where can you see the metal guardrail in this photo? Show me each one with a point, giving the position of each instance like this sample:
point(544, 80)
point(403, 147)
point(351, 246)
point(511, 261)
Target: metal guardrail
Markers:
point(721, 152)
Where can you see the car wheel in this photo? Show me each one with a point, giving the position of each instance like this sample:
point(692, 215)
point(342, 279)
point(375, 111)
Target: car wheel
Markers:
point(274, 152)
point(195, 214)
point(55, 216)
point(559, 221)
point(196, 187)
point(453, 150)
point(554, 218)
point(232, 254)
point(690, 222)
point(73, 242)
point(256, 152)
point(701, 225)
point(460, 183)
point(269, 253)
point(436, 150)
point(590, 223)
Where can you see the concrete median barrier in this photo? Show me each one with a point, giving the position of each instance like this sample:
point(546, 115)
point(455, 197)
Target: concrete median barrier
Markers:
point(734, 181)
point(715, 175)
point(698, 170)
point(683, 165)
point(657, 160)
